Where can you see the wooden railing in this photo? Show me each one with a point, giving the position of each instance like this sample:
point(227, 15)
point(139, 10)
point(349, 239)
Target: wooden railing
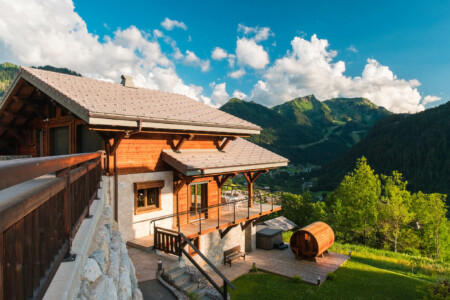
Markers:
point(173, 242)
point(38, 225)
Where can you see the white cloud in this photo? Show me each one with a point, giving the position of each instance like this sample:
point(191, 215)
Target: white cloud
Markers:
point(249, 53)
point(169, 24)
point(51, 32)
point(240, 95)
point(309, 68)
point(430, 99)
point(157, 33)
point(192, 59)
point(257, 33)
point(219, 94)
point(237, 74)
point(352, 48)
point(219, 54)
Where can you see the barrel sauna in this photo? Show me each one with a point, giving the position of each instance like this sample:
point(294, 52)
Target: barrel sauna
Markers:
point(312, 241)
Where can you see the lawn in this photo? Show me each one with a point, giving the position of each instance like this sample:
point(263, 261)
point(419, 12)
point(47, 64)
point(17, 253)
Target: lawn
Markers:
point(370, 274)
point(354, 280)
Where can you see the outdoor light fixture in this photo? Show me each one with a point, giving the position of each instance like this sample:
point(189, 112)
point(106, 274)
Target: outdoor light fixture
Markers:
point(318, 280)
point(349, 253)
point(159, 265)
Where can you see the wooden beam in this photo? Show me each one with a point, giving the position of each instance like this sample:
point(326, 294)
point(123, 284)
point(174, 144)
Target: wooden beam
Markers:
point(225, 142)
point(257, 173)
point(183, 139)
point(221, 179)
point(245, 225)
point(224, 232)
point(178, 185)
point(117, 139)
point(33, 105)
point(13, 132)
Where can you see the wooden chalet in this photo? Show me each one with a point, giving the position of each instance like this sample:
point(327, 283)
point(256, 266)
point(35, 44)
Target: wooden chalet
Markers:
point(167, 156)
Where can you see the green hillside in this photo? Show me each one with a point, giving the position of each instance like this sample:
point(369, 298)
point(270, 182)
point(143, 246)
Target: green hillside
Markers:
point(416, 145)
point(307, 130)
point(8, 70)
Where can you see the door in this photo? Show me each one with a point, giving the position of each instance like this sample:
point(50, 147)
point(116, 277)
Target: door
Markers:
point(59, 140)
point(198, 201)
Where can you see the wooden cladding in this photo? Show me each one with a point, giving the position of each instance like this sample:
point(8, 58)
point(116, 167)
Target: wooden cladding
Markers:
point(147, 196)
point(36, 229)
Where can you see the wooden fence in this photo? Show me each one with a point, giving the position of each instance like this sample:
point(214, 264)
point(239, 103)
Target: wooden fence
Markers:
point(38, 225)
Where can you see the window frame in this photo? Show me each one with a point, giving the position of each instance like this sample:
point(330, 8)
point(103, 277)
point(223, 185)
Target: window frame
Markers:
point(158, 184)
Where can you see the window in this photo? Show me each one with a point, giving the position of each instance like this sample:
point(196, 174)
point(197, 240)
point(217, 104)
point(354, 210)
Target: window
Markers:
point(147, 196)
point(198, 201)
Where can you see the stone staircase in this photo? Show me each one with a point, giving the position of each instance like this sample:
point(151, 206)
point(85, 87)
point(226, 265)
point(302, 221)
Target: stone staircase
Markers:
point(180, 277)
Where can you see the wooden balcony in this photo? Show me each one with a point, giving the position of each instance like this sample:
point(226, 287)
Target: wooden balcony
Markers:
point(212, 218)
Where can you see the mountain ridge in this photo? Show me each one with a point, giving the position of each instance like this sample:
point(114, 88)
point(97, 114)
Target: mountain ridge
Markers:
point(307, 130)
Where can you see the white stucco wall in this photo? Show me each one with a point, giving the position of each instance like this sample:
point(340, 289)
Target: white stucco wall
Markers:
point(133, 226)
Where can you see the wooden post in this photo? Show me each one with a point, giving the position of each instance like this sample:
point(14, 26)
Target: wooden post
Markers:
point(250, 193)
point(116, 190)
point(65, 174)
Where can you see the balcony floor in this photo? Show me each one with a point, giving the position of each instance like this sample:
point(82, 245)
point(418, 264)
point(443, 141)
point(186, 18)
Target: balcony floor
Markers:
point(212, 223)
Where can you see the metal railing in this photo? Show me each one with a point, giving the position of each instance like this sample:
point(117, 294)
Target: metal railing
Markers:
point(173, 242)
point(228, 213)
point(37, 227)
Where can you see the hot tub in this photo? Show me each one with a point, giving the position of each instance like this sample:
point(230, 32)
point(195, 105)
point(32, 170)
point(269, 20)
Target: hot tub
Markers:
point(267, 237)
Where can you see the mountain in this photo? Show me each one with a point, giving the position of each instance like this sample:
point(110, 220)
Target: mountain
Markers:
point(8, 70)
point(416, 145)
point(307, 130)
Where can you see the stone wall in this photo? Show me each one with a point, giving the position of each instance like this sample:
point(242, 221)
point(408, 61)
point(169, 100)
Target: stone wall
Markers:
point(212, 246)
point(108, 272)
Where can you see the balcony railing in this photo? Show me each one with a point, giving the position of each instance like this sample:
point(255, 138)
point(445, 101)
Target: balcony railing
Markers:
point(194, 222)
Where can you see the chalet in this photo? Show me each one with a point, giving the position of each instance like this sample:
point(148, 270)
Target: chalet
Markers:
point(167, 157)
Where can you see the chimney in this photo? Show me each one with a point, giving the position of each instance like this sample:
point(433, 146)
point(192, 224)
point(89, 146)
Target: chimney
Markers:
point(127, 81)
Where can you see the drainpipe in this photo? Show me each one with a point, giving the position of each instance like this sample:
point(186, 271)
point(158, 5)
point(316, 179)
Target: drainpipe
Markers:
point(116, 190)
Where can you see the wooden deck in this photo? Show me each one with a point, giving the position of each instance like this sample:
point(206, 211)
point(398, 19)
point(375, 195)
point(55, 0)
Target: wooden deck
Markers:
point(284, 263)
point(213, 223)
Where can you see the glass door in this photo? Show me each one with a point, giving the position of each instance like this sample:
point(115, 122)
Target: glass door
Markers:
point(198, 201)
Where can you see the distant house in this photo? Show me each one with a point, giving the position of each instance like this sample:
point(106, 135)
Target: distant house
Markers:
point(167, 156)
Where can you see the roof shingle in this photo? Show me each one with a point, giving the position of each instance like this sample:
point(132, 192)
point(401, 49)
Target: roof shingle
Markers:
point(92, 98)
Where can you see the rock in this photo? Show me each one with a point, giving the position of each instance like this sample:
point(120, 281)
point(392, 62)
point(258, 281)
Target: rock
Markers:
point(114, 267)
point(104, 290)
point(100, 258)
point(91, 271)
point(84, 291)
point(125, 289)
point(137, 294)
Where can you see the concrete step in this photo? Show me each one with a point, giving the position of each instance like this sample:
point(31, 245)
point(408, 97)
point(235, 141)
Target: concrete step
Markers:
point(200, 292)
point(181, 279)
point(189, 286)
point(172, 273)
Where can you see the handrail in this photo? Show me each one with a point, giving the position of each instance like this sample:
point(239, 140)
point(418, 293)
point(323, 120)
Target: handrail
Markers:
point(13, 172)
point(188, 211)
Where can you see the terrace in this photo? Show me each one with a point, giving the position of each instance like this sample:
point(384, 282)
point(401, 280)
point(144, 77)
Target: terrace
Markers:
point(234, 209)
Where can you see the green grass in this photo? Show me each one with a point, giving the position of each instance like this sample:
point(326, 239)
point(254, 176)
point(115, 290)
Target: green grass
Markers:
point(370, 274)
point(354, 280)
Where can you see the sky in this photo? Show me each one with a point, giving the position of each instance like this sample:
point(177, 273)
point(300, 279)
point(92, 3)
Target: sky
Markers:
point(395, 53)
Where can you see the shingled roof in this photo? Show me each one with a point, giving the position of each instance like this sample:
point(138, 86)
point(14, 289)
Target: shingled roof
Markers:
point(104, 103)
point(240, 155)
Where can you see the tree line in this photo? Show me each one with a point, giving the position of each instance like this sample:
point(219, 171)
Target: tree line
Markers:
point(378, 211)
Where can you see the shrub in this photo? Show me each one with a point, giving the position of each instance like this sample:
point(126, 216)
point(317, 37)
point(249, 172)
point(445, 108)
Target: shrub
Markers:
point(193, 296)
point(331, 276)
point(254, 268)
point(439, 291)
point(297, 278)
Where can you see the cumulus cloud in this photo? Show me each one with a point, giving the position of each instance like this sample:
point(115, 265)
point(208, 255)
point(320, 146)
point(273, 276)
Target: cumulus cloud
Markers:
point(219, 54)
point(257, 33)
point(430, 99)
point(51, 32)
point(192, 59)
point(219, 94)
point(237, 74)
point(309, 68)
point(249, 53)
point(240, 95)
point(169, 24)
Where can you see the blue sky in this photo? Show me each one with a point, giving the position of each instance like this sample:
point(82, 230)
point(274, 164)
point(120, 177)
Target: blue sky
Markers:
point(407, 43)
